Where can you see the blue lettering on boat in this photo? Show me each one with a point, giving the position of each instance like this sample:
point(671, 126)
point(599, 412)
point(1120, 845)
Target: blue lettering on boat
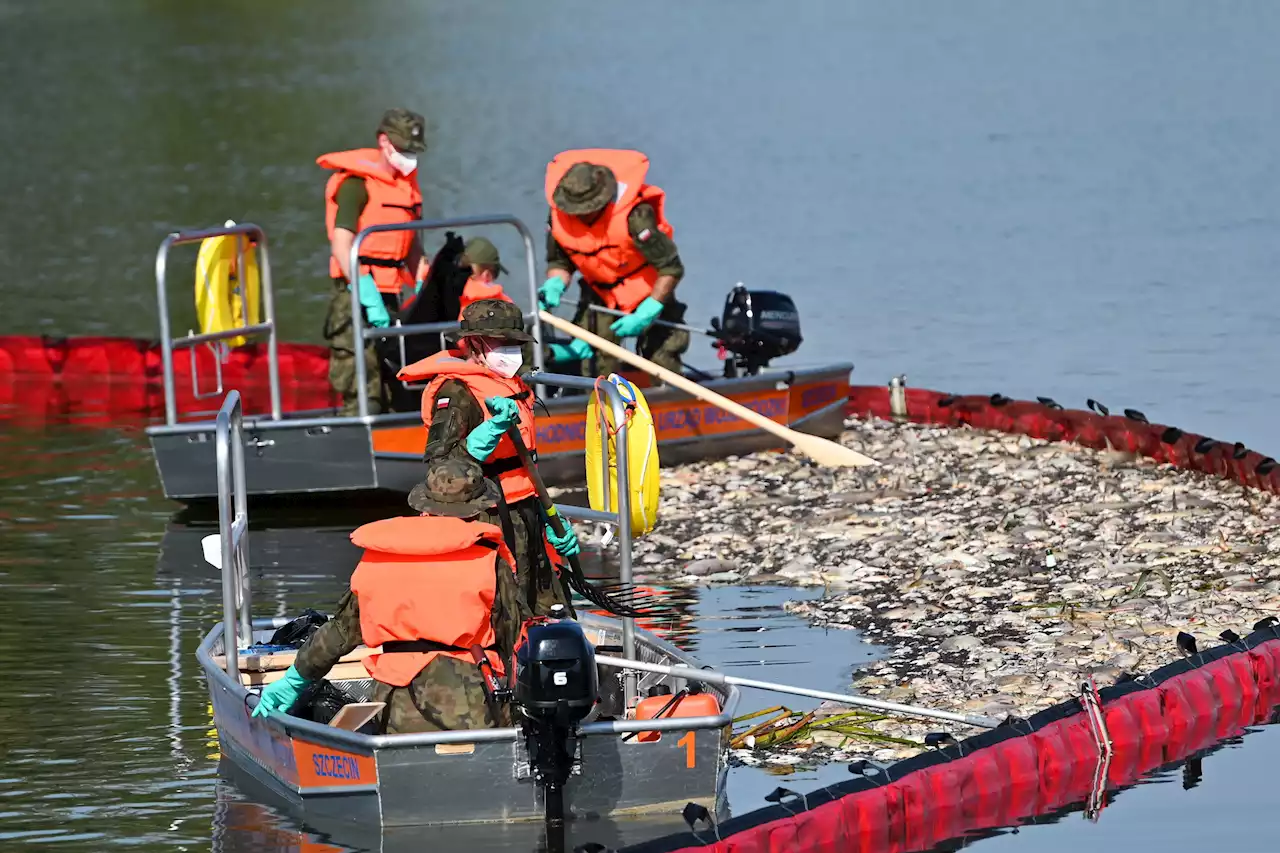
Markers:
point(819, 396)
point(557, 433)
point(677, 420)
point(335, 766)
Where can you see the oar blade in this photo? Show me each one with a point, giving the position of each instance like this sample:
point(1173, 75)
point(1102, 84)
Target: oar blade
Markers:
point(829, 453)
point(211, 545)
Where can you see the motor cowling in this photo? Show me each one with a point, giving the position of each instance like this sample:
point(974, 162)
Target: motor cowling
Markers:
point(555, 672)
point(756, 327)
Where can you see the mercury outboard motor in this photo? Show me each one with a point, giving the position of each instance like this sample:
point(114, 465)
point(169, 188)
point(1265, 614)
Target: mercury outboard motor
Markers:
point(757, 326)
point(556, 686)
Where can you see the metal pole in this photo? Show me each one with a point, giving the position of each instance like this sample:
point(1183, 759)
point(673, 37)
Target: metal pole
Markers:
point(223, 437)
point(166, 341)
point(240, 525)
point(357, 323)
point(273, 336)
point(629, 680)
point(712, 677)
point(539, 360)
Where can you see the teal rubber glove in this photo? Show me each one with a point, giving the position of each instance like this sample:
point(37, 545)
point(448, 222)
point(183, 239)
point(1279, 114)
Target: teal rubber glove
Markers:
point(374, 308)
point(567, 545)
point(279, 696)
point(483, 440)
point(417, 286)
point(638, 320)
point(575, 350)
point(551, 291)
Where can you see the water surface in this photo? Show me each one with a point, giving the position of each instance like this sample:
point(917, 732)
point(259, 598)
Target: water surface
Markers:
point(1000, 195)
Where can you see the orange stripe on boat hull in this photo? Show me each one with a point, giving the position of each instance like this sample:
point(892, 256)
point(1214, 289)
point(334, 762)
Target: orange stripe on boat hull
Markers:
point(674, 420)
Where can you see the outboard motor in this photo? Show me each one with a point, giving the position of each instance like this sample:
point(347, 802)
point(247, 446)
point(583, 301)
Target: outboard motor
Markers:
point(757, 326)
point(556, 686)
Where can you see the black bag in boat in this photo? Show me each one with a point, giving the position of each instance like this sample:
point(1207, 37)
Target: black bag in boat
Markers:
point(321, 701)
point(296, 632)
point(439, 300)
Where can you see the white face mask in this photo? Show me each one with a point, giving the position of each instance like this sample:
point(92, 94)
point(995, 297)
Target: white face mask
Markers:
point(401, 162)
point(504, 361)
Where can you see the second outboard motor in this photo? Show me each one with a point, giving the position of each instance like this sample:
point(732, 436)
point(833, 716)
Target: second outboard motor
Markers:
point(756, 327)
point(556, 686)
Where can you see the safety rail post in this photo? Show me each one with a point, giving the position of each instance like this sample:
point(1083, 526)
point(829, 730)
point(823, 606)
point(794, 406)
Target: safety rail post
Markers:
point(622, 516)
point(360, 333)
point(268, 327)
point(233, 529)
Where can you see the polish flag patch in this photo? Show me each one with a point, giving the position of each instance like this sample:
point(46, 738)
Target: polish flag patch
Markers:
point(644, 235)
point(442, 403)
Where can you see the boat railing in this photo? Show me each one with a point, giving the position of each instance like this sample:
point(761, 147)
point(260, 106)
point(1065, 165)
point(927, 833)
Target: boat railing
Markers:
point(169, 344)
point(400, 331)
point(233, 529)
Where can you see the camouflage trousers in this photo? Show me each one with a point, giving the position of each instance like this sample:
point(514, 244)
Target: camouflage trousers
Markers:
point(342, 364)
point(448, 695)
point(535, 576)
point(661, 345)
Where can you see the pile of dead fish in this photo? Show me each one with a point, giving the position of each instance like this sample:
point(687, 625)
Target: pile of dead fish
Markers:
point(998, 571)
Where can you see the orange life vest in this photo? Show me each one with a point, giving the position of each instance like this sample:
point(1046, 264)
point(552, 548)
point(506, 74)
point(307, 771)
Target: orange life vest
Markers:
point(604, 251)
point(503, 465)
point(475, 290)
point(393, 199)
point(426, 578)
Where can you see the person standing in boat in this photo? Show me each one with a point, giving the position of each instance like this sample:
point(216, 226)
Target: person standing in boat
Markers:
point(607, 224)
point(473, 396)
point(427, 589)
point(372, 186)
point(481, 256)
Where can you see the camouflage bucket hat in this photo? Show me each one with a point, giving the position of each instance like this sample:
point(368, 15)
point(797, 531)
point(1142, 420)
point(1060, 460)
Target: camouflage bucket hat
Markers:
point(405, 129)
point(454, 487)
point(584, 189)
point(493, 318)
point(480, 251)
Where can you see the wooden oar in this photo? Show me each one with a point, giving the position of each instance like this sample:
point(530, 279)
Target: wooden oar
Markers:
point(820, 450)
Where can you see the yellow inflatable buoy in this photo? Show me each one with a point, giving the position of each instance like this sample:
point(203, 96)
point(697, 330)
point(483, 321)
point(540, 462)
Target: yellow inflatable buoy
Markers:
point(222, 294)
point(642, 455)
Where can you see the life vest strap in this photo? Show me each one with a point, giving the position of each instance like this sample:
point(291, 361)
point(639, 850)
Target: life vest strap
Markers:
point(392, 647)
point(382, 262)
point(505, 466)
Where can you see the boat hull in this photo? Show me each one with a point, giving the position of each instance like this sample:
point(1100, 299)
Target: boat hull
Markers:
point(450, 778)
point(310, 455)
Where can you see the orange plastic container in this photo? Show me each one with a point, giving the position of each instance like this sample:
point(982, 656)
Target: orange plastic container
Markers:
point(689, 705)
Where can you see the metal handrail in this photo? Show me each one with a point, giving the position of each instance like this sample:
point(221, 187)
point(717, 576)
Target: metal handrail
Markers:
point(233, 528)
point(360, 333)
point(267, 327)
point(622, 516)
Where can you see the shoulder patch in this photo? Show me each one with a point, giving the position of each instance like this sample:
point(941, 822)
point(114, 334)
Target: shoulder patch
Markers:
point(644, 235)
point(442, 403)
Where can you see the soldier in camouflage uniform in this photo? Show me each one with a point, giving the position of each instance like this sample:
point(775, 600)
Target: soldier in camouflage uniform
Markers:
point(342, 364)
point(400, 134)
point(456, 412)
point(585, 191)
point(448, 693)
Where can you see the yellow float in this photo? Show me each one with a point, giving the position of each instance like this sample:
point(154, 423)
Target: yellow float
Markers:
point(222, 294)
point(642, 455)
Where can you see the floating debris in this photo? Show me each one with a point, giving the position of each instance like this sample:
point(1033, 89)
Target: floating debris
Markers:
point(1000, 571)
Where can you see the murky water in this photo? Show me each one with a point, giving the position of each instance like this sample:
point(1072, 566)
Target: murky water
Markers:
point(1022, 197)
